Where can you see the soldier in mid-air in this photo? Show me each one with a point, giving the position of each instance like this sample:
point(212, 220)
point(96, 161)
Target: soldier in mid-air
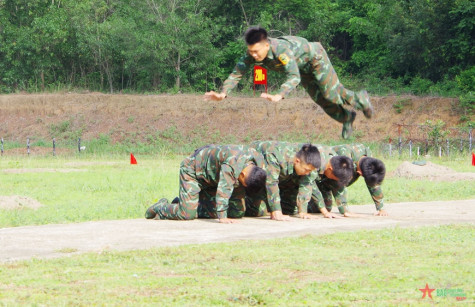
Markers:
point(214, 176)
point(303, 62)
point(372, 170)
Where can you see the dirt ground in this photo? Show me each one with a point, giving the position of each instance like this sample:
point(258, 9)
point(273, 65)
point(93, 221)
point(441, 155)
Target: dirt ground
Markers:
point(15, 202)
point(430, 171)
point(51, 241)
point(120, 117)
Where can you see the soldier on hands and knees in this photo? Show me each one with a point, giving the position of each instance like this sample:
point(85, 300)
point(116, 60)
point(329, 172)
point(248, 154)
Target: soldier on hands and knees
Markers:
point(291, 172)
point(373, 171)
point(213, 176)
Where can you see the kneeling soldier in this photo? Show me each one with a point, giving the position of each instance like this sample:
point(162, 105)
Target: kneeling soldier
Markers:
point(222, 173)
point(372, 170)
point(291, 170)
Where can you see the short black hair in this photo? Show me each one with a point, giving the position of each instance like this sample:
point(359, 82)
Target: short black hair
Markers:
point(343, 169)
point(256, 180)
point(373, 171)
point(310, 155)
point(255, 35)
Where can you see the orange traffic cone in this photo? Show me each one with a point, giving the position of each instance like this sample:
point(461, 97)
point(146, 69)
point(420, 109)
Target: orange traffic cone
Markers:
point(132, 159)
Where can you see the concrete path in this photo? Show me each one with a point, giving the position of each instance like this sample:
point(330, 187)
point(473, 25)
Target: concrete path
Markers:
point(49, 241)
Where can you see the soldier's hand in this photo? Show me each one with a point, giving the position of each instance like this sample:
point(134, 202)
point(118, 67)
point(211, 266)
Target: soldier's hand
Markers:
point(228, 221)
point(278, 216)
point(381, 213)
point(212, 95)
point(304, 215)
point(273, 98)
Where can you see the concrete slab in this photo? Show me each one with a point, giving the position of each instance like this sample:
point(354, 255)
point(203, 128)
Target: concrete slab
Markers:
point(59, 240)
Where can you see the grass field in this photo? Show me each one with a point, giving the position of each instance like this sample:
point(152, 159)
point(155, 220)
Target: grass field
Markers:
point(75, 189)
point(383, 268)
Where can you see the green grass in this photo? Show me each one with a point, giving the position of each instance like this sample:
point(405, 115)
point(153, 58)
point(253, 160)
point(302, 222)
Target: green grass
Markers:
point(98, 192)
point(104, 191)
point(380, 267)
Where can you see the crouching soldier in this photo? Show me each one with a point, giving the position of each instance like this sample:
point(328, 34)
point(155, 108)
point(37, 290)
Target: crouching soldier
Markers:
point(291, 170)
point(213, 175)
point(372, 170)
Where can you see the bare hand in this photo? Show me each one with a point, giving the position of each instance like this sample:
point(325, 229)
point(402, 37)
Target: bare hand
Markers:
point(273, 98)
point(278, 216)
point(212, 95)
point(307, 216)
point(228, 221)
point(381, 213)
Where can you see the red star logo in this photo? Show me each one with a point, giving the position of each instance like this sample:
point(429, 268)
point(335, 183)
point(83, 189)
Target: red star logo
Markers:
point(426, 291)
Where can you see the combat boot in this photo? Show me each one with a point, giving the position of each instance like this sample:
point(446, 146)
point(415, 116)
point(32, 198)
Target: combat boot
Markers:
point(368, 109)
point(152, 210)
point(348, 126)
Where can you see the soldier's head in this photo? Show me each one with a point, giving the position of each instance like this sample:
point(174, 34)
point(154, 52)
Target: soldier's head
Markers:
point(257, 43)
point(373, 170)
point(307, 160)
point(340, 169)
point(253, 178)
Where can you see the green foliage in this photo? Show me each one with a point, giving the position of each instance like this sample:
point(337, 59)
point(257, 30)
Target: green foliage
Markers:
point(436, 130)
point(401, 103)
point(415, 46)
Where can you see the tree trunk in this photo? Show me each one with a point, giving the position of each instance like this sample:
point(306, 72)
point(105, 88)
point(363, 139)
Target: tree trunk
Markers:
point(177, 67)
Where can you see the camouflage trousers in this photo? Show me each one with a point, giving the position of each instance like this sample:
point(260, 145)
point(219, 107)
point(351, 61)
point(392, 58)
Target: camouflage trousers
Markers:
point(196, 199)
point(323, 197)
point(325, 88)
point(257, 205)
point(207, 204)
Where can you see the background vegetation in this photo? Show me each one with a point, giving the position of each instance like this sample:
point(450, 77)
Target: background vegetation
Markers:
point(418, 46)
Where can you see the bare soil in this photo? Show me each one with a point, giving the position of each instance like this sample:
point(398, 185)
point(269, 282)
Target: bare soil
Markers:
point(121, 117)
point(16, 202)
point(430, 171)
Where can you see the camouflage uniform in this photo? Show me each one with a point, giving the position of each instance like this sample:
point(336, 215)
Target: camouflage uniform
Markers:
point(285, 190)
point(329, 188)
point(307, 63)
point(209, 177)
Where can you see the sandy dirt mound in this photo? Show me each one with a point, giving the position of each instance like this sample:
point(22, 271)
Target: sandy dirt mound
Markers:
point(430, 171)
point(18, 202)
point(41, 170)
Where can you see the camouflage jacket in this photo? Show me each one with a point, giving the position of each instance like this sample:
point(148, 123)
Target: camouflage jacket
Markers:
point(279, 158)
point(355, 152)
point(291, 55)
point(219, 167)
